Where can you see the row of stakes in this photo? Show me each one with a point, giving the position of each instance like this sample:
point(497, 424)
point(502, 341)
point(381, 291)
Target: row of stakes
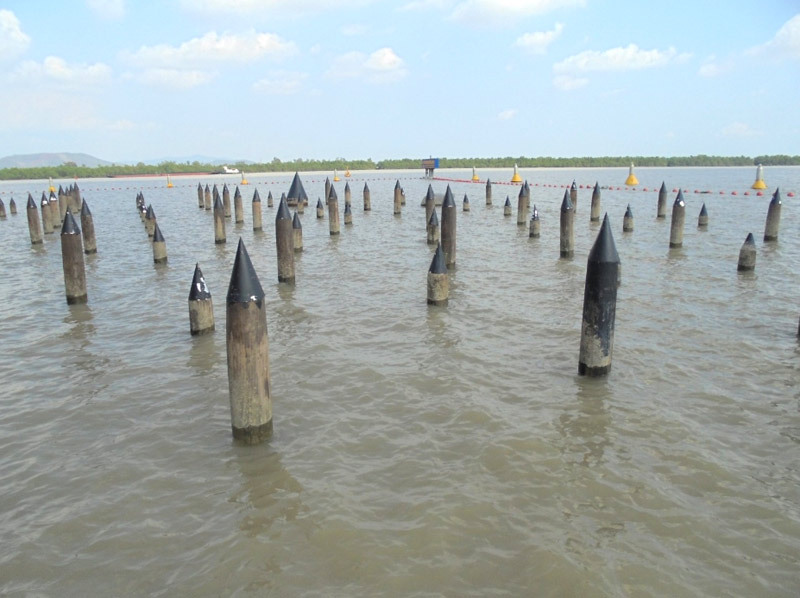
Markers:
point(246, 328)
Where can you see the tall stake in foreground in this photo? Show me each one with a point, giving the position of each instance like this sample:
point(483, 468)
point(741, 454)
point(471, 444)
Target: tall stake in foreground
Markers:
point(201, 307)
point(599, 305)
point(773, 217)
point(448, 228)
point(284, 242)
point(248, 353)
point(72, 261)
point(678, 219)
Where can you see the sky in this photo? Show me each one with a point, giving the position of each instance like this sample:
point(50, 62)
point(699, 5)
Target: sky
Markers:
point(127, 80)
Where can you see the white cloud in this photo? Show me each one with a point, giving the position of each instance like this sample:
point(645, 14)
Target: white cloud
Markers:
point(507, 114)
point(280, 83)
point(107, 9)
point(568, 83)
point(785, 44)
point(737, 129)
point(178, 79)
point(382, 66)
point(617, 59)
point(56, 70)
point(536, 43)
point(506, 11)
point(13, 41)
point(713, 68)
point(199, 51)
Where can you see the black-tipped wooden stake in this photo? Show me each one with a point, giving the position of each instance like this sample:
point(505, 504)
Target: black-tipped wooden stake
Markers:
point(159, 246)
point(448, 228)
point(347, 194)
point(465, 203)
point(200, 196)
point(256, 211)
point(63, 201)
point(12, 207)
point(320, 209)
point(526, 190)
point(226, 200)
point(207, 198)
point(327, 189)
point(2, 210)
point(76, 199)
point(661, 207)
point(747, 254)
point(248, 353)
point(773, 217)
point(348, 215)
point(238, 208)
point(678, 219)
point(270, 201)
point(522, 207)
point(333, 211)
point(430, 204)
point(507, 207)
point(72, 261)
point(567, 241)
point(573, 196)
point(219, 222)
point(87, 225)
point(627, 220)
point(594, 212)
point(367, 199)
point(201, 307)
point(55, 213)
point(599, 305)
point(398, 198)
point(284, 242)
point(432, 229)
point(150, 220)
point(47, 223)
point(438, 279)
point(535, 228)
point(34, 227)
point(297, 232)
point(702, 218)
point(488, 192)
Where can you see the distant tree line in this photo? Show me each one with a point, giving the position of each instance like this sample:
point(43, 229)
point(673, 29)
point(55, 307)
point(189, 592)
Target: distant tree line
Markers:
point(72, 170)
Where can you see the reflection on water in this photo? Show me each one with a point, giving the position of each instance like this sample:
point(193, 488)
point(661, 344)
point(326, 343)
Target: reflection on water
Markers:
point(586, 423)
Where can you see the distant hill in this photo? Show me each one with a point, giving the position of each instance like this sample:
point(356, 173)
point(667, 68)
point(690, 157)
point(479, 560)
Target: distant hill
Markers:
point(197, 158)
point(54, 159)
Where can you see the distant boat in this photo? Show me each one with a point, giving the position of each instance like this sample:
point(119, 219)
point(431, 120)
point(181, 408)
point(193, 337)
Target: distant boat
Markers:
point(227, 170)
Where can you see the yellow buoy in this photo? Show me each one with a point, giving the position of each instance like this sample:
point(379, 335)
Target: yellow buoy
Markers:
point(169, 183)
point(347, 173)
point(244, 180)
point(475, 175)
point(335, 176)
point(516, 178)
point(631, 180)
point(759, 184)
point(51, 185)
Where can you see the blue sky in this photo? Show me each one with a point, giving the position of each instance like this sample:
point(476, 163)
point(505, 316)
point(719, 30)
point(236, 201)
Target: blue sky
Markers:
point(257, 79)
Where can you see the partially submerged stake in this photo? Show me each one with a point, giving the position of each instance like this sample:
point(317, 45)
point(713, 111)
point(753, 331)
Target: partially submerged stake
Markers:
point(270, 201)
point(226, 200)
point(594, 215)
point(297, 232)
point(201, 308)
point(678, 218)
point(573, 196)
point(47, 223)
point(2, 210)
point(567, 241)
point(488, 192)
point(438, 279)
point(12, 206)
point(256, 211)
point(522, 207)
point(702, 218)
point(87, 225)
point(448, 228)
point(207, 198)
point(34, 227)
point(219, 222)
point(430, 203)
point(747, 254)
point(248, 353)
point(465, 203)
point(284, 242)
point(398, 197)
point(333, 211)
point(348, 215)
point(627, 221)
point(599, 305)
point(507, 207)
point(347, 194)
point(320, 209)
point(159, 246)
point(535, 228)
point(432, 229)
point(661, 208)
point(150, 220)
point(773, 217)
point(238, 208)
point(72, 261)
point(200, 196)
point(367, 199)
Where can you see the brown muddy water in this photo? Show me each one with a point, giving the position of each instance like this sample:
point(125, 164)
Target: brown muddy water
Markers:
point(417, 451)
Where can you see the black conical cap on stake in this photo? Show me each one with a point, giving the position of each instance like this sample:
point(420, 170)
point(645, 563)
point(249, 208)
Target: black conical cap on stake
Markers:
point(508, 201)
point(679, 198)
point(256, 197)
point(296, 221)
point(319, 204)
point(430, 194)
point(151, 213)
point(269, 196)
point(347, 209)
point(31, 203)
point(596, 188)
point(236, 194)
point(437, 263)
point(225, 187)
point(332, 194)
point(208, 190)
point(60, 190)
point(296, 190)
point(53, 196)
point(366, 187)
point(85, 211)
point(535, 213)
point(604, 249)
point(776, 197)
point(199, 186)
point(347, 186)
point(157, 236)
point(449, 200)
point(466, 199)
point(749, 240)
point(703, 211)
point(284, 197)
point(521, 192)
point(244, 286)
point(283, 211)
point(488, 182)
point(663, 188)
point(44, 198)
point(628, 213)
point(218, 204)
point(573, 186)
point(434, 219)
point(397, 184)
point(566, 204)
point(70, 227)
point(199, 290)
